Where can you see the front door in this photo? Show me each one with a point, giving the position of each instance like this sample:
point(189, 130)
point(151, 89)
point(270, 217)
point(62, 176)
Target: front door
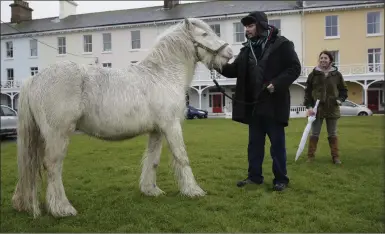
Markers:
point(373, 99)
point(217, 103)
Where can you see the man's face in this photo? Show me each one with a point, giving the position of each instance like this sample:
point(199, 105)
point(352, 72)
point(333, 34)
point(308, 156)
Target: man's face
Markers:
point(251, 30)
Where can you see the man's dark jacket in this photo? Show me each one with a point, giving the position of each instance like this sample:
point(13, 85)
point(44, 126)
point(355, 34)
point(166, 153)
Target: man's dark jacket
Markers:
point(279, 65)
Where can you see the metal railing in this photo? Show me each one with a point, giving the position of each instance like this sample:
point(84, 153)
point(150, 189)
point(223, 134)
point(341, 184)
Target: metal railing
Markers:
point(9, 84)
point(353, 69)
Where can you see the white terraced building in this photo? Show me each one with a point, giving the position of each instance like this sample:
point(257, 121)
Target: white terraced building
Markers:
point(119, 38)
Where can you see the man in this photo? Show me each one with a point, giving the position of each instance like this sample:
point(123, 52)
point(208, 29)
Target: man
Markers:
point(266, 60)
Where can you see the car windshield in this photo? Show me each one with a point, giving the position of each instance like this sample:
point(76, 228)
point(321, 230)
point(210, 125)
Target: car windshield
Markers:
point(192, 108)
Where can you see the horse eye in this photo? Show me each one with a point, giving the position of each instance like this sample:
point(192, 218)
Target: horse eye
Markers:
point(204, 34)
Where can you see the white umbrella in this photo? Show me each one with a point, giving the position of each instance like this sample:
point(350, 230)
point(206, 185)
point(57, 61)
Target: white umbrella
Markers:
point(305, 134)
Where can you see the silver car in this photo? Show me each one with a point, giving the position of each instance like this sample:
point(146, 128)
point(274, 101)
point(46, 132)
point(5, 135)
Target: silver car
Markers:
point(349, 108)
point(8, 121)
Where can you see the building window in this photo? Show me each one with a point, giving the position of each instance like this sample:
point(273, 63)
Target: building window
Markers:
point(135, 39)
point(107, 44)
point(336, 56)
point(87, 40)
point(216, 28)
point(374, 60)
point(373, 25)
point(107, 65)
point(276, 23)
point(61, 45)
point(34, 70)
point(239, 32)
point(331, 26)
point(33, 48)
point(10, 74)
point(9, 49)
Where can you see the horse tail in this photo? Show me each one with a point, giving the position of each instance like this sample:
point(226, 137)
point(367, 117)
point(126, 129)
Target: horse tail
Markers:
point(28, 158)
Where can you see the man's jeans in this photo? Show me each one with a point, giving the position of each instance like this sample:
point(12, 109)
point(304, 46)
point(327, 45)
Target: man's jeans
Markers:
point(258, 128)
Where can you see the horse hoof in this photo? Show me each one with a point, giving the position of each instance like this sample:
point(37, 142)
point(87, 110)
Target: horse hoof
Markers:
point(153, 191)
point(19, 205)
point(63, 211)
point(194, 191)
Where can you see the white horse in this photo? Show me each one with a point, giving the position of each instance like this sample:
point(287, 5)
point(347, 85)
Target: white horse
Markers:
point(112, 104)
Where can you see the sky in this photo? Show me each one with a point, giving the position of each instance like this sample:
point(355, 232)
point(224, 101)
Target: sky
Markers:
point(44, 9)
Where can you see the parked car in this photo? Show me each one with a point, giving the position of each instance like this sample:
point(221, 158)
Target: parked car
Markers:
point(194, 113)
point(349, 108)
point(8, 121)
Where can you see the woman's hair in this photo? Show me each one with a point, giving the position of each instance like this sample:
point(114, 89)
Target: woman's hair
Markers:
point(331, 58)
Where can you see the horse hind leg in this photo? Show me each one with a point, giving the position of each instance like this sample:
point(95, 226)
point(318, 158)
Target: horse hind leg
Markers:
point(56, 149)
point(29, 157)
point(187, 184)
point(150, 162)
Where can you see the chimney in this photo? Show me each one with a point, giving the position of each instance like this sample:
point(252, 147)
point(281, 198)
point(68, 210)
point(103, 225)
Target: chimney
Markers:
point(20, 11)
point(67, 8)
point(169, 4)
point(300, 4)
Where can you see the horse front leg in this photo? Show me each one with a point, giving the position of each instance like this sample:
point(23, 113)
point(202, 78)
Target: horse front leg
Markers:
point(150, 163)
point(183, 172)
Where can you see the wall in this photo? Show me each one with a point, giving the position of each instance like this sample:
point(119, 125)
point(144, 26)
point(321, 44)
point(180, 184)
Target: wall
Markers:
point(121, 53)
point(355, 92)
point(21, 61)
point(120, 56)
point(297, 94)
point(353, 42)
point(290, 28)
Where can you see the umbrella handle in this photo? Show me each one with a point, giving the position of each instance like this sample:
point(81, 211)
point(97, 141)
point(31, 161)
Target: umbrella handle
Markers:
point(316, 106)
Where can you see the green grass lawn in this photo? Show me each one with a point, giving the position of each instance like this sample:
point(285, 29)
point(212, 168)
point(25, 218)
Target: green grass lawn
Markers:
point(101, 181)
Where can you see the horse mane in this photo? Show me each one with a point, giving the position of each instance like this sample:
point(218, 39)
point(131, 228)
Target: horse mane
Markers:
point(175, 40)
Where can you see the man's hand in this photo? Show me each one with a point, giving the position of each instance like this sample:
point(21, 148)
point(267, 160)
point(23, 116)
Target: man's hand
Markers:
point(270, 88)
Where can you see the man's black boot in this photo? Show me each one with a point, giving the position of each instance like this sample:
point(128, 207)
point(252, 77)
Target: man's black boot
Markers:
point(247, 181)
point(280, 187)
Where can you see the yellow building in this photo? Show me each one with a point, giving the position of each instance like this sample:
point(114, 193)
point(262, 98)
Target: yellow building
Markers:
point(355, 35)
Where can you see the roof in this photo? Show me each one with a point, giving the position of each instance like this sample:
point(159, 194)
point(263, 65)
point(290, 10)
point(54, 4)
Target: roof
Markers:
point(311, 4)
point(155, 14)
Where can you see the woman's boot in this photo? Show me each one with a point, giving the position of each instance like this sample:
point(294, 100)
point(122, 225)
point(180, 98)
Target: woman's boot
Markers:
point(313, 140)
point(333, 143)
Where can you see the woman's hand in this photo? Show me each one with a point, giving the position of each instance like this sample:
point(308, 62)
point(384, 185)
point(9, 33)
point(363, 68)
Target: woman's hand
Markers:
point(310, 112)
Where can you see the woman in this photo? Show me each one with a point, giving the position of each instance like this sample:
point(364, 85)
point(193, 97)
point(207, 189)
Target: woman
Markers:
point(325, 83)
